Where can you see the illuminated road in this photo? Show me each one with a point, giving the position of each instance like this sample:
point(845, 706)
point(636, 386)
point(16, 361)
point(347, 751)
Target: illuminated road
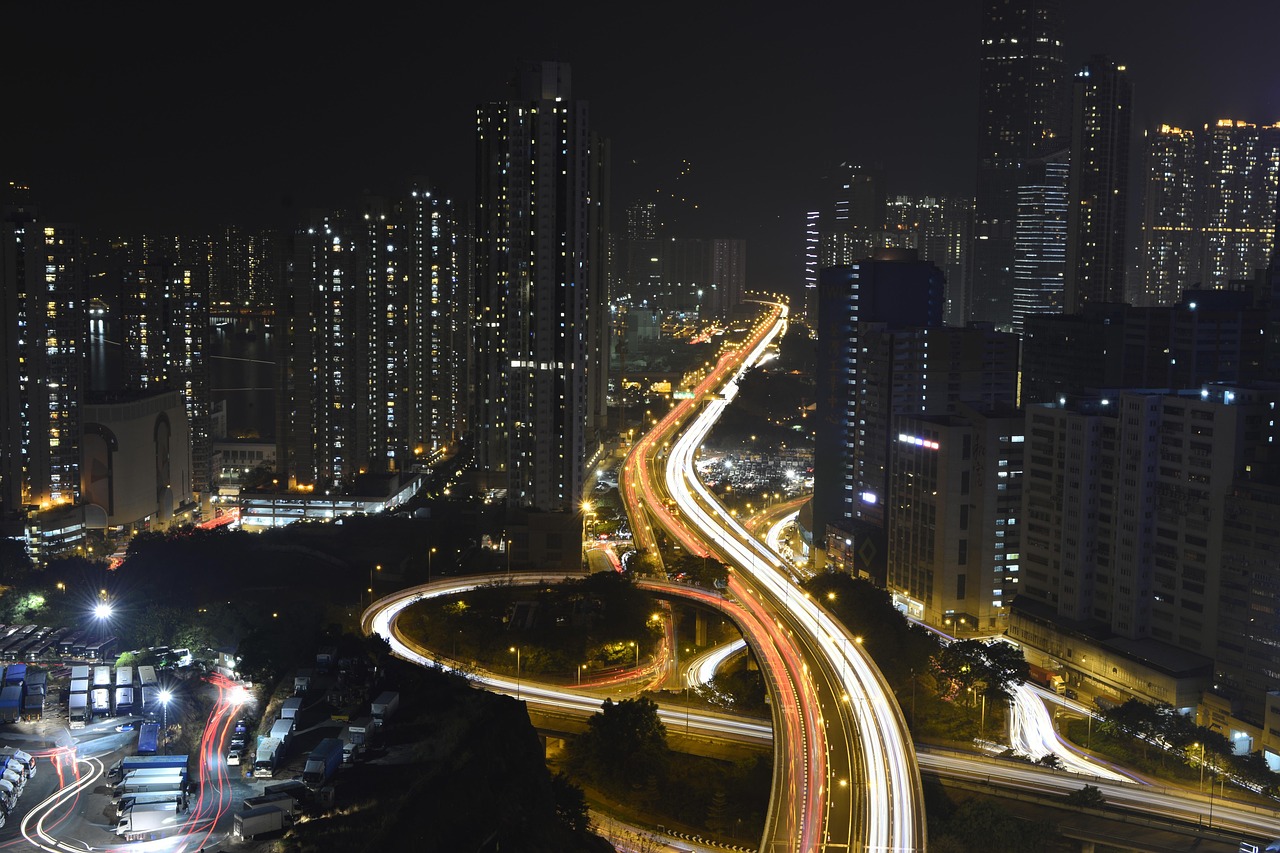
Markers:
point(1032, 733)
point(1178, 804)
point(703, 668)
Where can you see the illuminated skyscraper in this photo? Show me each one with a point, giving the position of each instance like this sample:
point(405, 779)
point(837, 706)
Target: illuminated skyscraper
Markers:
point(1040, 240)
point(1020, 116)
point(1209, 215)
point(812, 236)
point(372, 323)
point(1099, 196)
point(1242, 170)
point(852, 223)
point(534, 290)
point(938, 228)
point(43, 322)
point(1171, 229)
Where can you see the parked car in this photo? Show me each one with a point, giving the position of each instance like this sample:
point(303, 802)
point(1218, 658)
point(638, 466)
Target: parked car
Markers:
point(233, 757)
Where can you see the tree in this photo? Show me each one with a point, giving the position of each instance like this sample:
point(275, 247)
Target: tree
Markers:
point(966, 663)
point(625, 742)
point(1089, 796)
point(571, 804)
point(15, 564)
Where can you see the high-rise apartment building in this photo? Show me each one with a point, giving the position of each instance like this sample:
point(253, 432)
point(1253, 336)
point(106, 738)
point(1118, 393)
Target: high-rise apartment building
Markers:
point(1040, 239)
point(533, 358)
point(434, 381)
point(163, 284)
point(1241, 175)
point(1139, 519)
point(373, 331)
point(1210, 207)
point(1098, 213)
point(1171, 229)
point(43, 324)
point(1020, 117)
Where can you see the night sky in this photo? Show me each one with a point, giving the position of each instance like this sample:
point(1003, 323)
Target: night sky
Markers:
point(197, 115)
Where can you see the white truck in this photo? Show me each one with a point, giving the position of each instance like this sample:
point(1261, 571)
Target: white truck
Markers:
point(269, 754)
point(126, 803)
point(282, 730)
point(23, 758)
point(384, 706)
point(148, 821)
point(349, 747)
point(249, 824)
point(289, 710)
point(8, 795)
point(78, 714)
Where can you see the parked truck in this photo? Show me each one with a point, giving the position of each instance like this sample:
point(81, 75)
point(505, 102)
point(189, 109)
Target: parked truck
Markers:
point(12, 765)
point(149, 821)
point(295, 788)
point(302, 681)
point(78, 714)
point(25, 758)
point(130, 763)
point(249, 824)
point(148, 739)
point(79, 685)
point(32, 707)
point(382, 708)
point(349, 746)
point(270, 751)
point(102, 676)
point(14, 778)
point(100, 701)
point(147, 676)
point(282, 800)
point(149, 783)
point(8, 795)
point(326, 657)
point(1047, 678)
point(15, 673)
point(179, 798)
point(362, 732)
point(10, 703)
point(124, 702)
point(282, 730)
point(80, 673)
point(323, 762)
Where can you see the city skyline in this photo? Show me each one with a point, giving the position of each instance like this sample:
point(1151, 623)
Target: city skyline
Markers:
point(719, 110)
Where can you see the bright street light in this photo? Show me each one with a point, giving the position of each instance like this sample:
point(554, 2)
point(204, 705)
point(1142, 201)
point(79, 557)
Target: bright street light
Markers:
point(102, 611)
point(164, 697)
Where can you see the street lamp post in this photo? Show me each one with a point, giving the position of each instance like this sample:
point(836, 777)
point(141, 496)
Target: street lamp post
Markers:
point(371, 571)
point(516, 649)
point(165, 696)
point(429, 553)
point(581, 667)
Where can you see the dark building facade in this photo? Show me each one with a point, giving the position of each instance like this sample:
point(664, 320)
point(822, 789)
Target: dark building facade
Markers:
point(895, 289)
point(1020, 116)
point(1099, 193)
